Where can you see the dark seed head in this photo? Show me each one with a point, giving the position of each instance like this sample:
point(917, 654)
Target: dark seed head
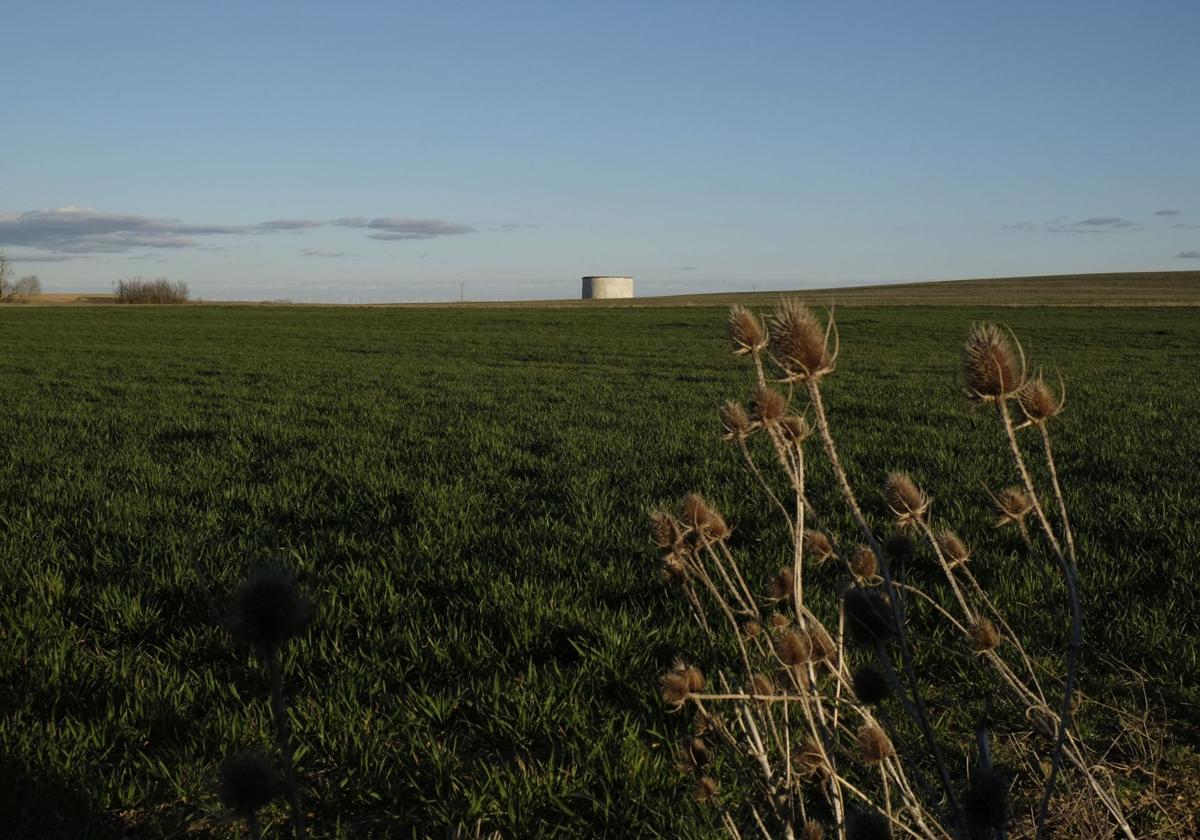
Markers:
point(868, 825)
point(870, 686)
point(869, 616)
point(248, 782)
point(987, 799)
point(268, 610)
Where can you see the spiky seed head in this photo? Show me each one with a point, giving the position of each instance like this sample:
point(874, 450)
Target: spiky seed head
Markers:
point(665, 529)
point(799, 342)
point(868, 825)
point(694, 511)
point(705, 790)
point(794, 647)
point(268, 609)
point(864, 565)
point(248, 782)
point(779, 621)
point(869, 618)
point(674, 570)
point(781, 587)
point(693, 753)
point(808, 760)
point(715, 528)
point(984, 635)
point(735, 421)
point(1012, 506)
point(812, 831)
point(873, 743)
point(953, 548)
point(991, 365)
point(987, 799)
point(1038, 403)
point(752, 629)
point(823, 648)
point(747, 333)
point(767, 405)
point(870, 685)
point(795, 429)
point(762, 685)
point(907, 501)
point(680, 683)
point(818, 546)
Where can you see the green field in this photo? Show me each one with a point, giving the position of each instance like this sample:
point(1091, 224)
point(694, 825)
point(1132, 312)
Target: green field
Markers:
point(464, 492)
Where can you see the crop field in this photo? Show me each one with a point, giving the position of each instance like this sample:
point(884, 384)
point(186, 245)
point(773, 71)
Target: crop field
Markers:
point(464, 493)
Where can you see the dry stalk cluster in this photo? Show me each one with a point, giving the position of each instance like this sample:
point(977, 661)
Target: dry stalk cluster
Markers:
point(825, 715)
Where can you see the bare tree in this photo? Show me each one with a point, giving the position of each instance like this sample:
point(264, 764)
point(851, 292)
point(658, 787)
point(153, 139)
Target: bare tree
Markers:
point(27, 288)
point(5, 270)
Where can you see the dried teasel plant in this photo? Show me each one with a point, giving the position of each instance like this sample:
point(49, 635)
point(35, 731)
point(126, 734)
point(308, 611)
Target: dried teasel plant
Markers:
point(821, 714)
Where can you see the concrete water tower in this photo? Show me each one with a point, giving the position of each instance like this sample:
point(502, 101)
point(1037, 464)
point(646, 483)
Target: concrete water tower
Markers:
point(602, 288)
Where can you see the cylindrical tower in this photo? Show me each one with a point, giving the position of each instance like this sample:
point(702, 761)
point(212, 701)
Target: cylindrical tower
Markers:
point(598, 288)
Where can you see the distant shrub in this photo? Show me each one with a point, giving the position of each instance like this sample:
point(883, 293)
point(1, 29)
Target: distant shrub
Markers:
point(26, 289)
point(161, 290)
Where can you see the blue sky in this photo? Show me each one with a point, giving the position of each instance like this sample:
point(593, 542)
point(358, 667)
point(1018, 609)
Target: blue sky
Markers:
point(391, 151)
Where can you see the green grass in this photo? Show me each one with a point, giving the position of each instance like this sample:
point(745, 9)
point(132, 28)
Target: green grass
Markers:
point(464, 493)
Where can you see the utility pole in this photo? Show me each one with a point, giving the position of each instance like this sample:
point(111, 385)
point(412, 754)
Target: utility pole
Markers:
point(462, 291)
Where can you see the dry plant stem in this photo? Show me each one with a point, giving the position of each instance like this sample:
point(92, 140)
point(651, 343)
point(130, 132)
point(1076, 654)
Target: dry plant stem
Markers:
point(920, 715)
point(1058, 494)
point(283, 733)
point(763, 481)
point(1068, 572)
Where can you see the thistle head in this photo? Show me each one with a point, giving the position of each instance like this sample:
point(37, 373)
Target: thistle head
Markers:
point(795, 429)
point(808, 760)
point(695, 511)
point(818, 546)
point(906, 500)
point(735, 421)
point(984, 636)
point(680, 683)
point(870, 685)
point(674, 570)
point(1039, 403)
point(767, 406)
point(800, 343)
point(693, 753)
point(752, 629)
point(762, 685)
point(873, 743)
point(782, 585)
point(823, 648)
point(705, 790)
point(268, 609)
point(869, 618)
point(864, 565)
point(794, 647)
point(779, 621)
point(953, 548)
point(248, 782)
point(747, 333)
point(1012, 506)
point(812, 831)
point(991, 364)
point(665, 529)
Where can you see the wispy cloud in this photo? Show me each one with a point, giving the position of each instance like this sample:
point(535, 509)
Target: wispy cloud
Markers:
point(309, 252)
point(1188, 255)
point(397, 228)
point(1107, 221)
point(686, 268)
point(1166, 212)
point(1065, 224)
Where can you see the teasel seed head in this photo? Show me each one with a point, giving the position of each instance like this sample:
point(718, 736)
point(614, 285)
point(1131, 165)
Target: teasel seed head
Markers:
point(818, 546)
point(782, 585)
point(1012, 506)
point(680, 683)
point(953, 548)
point(762, 685)
point(984, 635)
point(752, 629)
point(694, 511)
point(693, 753)
point(987, 799)
point(665, 529)
point(674, 570)
point(899, 549)
point(868, 825)
point(268, 609)
point(779, 621)
point(735, 421)
point(248, 782)
point(800, 344)
point(864, 565)
point(715, 528)
point(873, 743)
point(767, 406)
point(808, 760)
point(795, 429)
point(705, 790)
point(823, 647)
point(812, 831)
point(794, 647)
point(870, 685)
point(747, 333)
point(907, 501)
point(869, 618)
point(1038, 403)
point(991, 364)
